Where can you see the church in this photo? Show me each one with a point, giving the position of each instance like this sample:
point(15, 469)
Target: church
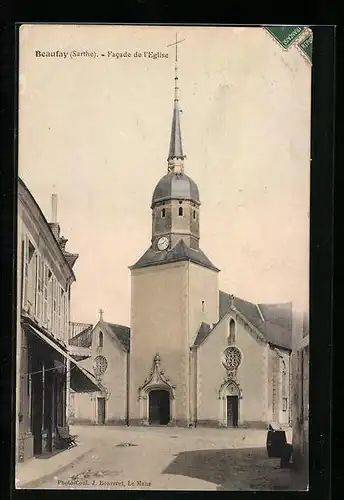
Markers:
point(193, 354)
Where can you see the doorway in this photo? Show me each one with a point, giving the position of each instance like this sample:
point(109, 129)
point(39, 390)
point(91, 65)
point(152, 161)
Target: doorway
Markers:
point(159, 407)
point(101, 410)
point(232, 411)
point(37, 398)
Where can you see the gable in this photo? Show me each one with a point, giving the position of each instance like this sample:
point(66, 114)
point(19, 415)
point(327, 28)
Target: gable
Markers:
point(249, 342)
point(273, 321)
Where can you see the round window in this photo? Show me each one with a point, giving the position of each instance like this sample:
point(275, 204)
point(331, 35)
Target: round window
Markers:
point(231, 358)
point(100, 365)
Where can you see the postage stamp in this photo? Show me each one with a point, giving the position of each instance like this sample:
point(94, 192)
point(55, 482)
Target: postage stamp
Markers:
point(162, 258)
point(286, 35)
point(306, 47)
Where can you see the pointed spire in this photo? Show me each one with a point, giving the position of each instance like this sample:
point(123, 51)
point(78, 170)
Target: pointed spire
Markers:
point(176, 148)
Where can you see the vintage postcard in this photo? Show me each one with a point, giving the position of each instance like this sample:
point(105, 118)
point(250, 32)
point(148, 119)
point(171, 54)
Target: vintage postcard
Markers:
point(163, 247)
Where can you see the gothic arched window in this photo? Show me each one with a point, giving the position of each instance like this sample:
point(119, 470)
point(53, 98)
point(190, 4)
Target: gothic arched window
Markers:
point(100, 339)
point(231, 336)
point(180, 211)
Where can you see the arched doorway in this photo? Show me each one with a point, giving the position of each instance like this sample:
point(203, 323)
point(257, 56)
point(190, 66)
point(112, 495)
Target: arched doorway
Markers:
point(159, 407)
point(232, 411)
point(230, 403)
point(157, 397)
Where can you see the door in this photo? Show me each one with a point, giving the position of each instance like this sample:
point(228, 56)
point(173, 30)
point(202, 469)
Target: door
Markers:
point(159, 407)
point(48, 407)
point(101, 410)
point(37, 406)
point(232, 411)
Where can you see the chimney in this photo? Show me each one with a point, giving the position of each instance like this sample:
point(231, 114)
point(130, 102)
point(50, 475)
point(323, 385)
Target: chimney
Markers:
point(54, 208)
point(54, 225)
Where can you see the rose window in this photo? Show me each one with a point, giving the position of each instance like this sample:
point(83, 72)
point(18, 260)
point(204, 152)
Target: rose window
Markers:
point(100, 365)
point(231, 358)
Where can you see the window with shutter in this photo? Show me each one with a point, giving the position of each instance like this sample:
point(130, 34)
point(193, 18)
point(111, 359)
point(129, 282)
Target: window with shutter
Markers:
point(54, 307)
point(33, 282)
point(63, 315)
point(50, 299)
point(57, 331)
point(45, 294)
point(60, 329)
point(66, 317)
point(30, 273)
point(39, 287)
point(24, 274)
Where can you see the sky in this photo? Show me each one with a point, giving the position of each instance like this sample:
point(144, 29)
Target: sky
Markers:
point(96, 131)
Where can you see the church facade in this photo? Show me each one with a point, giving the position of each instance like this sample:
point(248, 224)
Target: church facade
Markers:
point(193, 355)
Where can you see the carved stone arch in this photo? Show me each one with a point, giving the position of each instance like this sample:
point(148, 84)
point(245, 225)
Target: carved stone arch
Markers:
point(155, 381)
point(229, 387)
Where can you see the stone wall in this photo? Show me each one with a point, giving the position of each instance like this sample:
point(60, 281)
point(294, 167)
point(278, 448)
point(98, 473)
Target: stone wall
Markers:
point(251, 376)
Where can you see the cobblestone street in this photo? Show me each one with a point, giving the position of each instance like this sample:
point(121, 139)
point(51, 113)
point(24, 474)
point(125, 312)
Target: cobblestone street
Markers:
point(160, 458)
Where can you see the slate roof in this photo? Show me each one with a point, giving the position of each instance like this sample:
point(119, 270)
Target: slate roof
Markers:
point(175, 186)
point(122, 333)
point(178, 253)
point(83, 339)
point(275, 324)
point(176, 148)
point(202, 334)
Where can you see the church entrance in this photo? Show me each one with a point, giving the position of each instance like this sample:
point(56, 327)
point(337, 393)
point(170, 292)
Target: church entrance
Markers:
point(232, 411)
point(101, 410)
point(159, 407)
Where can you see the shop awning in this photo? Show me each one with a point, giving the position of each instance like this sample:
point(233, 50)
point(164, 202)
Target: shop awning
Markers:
point(81, 380)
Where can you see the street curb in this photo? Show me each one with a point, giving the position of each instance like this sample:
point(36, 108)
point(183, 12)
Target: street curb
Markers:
point(36, 482)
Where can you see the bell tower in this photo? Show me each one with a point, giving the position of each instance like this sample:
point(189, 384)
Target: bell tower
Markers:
point(174, 287)
point(175, 202)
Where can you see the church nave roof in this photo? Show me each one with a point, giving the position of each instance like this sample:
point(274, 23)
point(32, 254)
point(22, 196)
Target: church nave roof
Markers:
point(274, 321)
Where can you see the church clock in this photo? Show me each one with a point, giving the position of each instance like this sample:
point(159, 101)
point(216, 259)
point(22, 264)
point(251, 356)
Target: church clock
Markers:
point(163, 243)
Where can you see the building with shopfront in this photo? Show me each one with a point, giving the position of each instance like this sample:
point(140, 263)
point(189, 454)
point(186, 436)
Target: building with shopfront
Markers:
point(45, 370)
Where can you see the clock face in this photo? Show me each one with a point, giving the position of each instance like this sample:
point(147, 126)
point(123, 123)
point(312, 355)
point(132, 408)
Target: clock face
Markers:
point(163, 243)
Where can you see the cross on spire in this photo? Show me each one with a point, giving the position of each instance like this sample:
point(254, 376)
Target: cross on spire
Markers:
point(176, 44)
point(176, 65)
point(101, 313)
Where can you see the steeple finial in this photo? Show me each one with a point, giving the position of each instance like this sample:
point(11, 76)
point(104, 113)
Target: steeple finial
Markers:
point(176, 148)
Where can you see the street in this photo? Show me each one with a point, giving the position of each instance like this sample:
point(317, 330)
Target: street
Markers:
point(170, 458)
